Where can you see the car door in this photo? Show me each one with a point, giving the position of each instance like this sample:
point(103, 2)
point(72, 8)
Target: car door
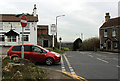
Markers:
point(27, 52)
point(37, 54)
point(16, 50)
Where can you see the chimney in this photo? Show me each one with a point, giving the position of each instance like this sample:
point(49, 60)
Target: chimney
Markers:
point(35, 10)
point(107, 17)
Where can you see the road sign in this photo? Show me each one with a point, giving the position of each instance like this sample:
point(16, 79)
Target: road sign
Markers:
point(53, 28)
point(23, 21)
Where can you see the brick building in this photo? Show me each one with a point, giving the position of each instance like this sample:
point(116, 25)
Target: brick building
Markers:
point(110, 34)
point(44, 39)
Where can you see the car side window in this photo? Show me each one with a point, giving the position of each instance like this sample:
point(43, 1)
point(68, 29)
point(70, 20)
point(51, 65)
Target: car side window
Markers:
point(16, 48)
point(28, 48)
point(36, 49)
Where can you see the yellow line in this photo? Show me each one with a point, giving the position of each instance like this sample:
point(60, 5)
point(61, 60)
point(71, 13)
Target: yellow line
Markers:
point(73, 75)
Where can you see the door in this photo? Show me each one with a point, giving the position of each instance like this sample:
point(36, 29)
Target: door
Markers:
point(27, 52)
point(45, 43)
point(37, 54)
point(109, 45)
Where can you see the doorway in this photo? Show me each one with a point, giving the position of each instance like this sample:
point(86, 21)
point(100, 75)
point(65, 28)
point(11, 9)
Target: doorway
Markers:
point(45, 43)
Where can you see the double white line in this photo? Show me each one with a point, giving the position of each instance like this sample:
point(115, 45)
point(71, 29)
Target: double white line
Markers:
point(68, 63)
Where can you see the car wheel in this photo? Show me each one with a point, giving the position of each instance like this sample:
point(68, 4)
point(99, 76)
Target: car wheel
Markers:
point(49, 61)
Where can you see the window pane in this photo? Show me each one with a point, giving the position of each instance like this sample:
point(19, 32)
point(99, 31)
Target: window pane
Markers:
point(13, 38)
point(9, 38)
point(16, 48)
point(28, 26)
point(36, 49)
point(113, 32)
point(1, 25)
point(105, 33)
point(28, 48)
point(26, 38)
point(2, 38)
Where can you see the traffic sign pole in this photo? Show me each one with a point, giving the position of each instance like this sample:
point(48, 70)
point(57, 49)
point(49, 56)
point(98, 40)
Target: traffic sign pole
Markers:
point(23, 21)
point(22, 55)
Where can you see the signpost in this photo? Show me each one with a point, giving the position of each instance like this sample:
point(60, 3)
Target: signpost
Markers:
point(23, 21)
point(53, 31)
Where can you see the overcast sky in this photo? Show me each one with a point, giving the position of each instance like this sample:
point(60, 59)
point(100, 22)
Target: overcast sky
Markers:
point(81, 16)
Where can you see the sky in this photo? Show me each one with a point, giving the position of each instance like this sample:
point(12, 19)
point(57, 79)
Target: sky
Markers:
point(81, 16)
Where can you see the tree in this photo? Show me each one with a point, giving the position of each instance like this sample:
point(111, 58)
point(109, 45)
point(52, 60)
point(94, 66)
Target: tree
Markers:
point(91, 44)
point(77, 44)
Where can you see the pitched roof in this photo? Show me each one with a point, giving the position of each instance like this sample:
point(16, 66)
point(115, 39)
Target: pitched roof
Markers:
point(111, 22)
point(13, 18)
point(11, 33)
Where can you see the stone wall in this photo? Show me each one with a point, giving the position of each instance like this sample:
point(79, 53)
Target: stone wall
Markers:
point(3, 50)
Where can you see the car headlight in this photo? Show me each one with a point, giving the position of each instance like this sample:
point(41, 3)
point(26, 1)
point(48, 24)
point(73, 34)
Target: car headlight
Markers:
point(57, 55)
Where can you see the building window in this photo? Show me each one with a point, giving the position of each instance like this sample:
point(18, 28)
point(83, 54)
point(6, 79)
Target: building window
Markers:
point(104, 44)
point(113, 33)
point(115, 45)
point(11, 38)
point(2, 38)
point(1, 25)
point(26, 38)
point(28, 26)
point(105, 33)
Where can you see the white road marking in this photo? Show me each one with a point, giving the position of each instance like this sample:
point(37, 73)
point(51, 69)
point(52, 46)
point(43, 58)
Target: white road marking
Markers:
point(90, 55)
point(103, 60)
point(70, 67)
point(62, 64)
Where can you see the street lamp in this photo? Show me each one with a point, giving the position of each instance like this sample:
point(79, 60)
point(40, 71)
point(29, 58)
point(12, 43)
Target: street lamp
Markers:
point(56, 23)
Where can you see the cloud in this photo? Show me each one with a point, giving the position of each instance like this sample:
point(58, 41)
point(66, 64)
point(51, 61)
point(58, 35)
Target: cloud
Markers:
point(81, 16)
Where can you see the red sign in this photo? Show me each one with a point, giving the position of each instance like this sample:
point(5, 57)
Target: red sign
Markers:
point(23, 21)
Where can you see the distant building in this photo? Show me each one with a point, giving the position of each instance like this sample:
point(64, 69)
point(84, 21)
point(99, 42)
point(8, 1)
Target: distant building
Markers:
point(67, 44)
point(110, 34)
point(44, 39)
point(11, 30)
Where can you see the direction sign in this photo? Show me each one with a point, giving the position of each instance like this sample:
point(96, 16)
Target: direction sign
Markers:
point(23, 21)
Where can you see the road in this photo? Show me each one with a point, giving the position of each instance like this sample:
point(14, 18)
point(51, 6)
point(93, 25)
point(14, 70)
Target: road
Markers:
point(89, 65)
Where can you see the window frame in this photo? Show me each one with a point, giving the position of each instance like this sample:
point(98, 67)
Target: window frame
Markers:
point(1, 25)
point(27, 27)
point(105, 32)
point(2, 37)
point(113, 32)
point(11, 38)
point(26, 35)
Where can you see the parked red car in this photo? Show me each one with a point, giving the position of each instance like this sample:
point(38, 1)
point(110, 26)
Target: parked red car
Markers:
point(34, 53)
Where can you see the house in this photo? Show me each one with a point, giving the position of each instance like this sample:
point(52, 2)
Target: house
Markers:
point(11, 30)
point(110, 34)
point(44, 39)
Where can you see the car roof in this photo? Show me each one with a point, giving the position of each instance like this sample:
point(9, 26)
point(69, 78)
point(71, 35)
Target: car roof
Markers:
point(25, 44)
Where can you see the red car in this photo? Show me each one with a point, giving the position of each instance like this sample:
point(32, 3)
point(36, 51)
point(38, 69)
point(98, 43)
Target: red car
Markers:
point(34, 53)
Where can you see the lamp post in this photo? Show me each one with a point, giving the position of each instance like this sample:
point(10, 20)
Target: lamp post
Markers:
point(56, 24)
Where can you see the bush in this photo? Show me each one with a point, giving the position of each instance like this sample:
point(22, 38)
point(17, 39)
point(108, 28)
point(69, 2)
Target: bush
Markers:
point(65, 49)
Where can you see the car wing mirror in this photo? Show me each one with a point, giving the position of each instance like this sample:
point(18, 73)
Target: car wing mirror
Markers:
point(41, 52)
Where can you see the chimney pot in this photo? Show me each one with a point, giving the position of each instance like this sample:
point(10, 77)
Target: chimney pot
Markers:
point(107, 17)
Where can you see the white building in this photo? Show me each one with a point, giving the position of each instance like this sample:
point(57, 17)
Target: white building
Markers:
point(11, 29)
